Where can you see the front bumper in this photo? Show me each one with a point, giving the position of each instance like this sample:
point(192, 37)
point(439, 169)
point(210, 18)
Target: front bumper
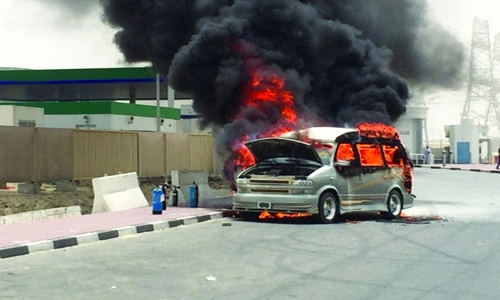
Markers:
point(275, 203)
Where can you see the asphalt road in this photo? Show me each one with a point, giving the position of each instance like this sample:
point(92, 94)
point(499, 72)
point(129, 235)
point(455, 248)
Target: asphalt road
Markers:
point(456, 257)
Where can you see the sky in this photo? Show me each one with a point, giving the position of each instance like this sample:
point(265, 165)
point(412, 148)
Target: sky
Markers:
point(457, 16)
point(53, 34)
point(59, 34)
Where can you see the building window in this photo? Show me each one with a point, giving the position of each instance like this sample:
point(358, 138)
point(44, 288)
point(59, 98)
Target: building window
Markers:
point(27, 123)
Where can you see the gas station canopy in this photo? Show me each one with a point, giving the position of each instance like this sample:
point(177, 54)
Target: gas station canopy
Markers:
point(135, 83)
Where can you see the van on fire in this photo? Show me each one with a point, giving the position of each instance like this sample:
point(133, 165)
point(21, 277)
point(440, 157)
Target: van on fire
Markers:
point(327, 172)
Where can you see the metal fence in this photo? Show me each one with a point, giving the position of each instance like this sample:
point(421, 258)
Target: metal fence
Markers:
point(49, 154)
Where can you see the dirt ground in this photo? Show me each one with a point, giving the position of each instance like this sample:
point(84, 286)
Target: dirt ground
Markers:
point(12, 202)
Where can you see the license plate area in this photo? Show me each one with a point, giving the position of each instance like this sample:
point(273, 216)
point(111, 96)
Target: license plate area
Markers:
point(264, 205)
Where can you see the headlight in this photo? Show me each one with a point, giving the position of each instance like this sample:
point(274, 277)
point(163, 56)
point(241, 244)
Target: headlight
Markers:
point(303, 182)
point(242, 189)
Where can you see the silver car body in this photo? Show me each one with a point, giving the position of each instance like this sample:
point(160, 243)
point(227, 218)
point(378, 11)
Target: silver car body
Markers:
point(293, 171)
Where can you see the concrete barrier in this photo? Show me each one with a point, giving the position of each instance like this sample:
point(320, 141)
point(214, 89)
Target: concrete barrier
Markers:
point(66, 186)
point(28, 188)
point(117, 192)
point(38, 215)
point(207, 197)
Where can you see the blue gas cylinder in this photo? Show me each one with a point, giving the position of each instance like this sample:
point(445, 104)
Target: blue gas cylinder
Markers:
point(193, 195)
point(156, 201)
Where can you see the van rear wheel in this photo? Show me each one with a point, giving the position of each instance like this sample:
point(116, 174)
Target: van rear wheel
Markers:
point(394, 204)
point(328, 208)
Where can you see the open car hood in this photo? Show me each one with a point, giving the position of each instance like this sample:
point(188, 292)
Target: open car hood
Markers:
point(268, 148)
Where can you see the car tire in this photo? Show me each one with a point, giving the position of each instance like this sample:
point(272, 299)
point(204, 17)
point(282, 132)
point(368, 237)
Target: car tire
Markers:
point(328, 208)
point(394, 204)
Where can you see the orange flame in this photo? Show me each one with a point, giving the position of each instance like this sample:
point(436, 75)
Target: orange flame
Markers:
point(267, 215)
point(344, 152)
point(244, 157)
point(373, 157)
point(378, 130)
point(269, 87)
point(263, 89)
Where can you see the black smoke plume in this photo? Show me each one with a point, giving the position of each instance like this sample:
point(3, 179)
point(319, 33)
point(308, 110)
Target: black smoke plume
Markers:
point(343, 60)
point(422, 51)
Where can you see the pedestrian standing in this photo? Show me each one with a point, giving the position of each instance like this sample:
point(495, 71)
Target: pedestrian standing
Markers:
point(166, 194)
point(498, 158)
point(427, 153)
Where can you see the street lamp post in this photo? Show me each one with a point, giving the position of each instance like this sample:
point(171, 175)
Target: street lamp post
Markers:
point(157, 102)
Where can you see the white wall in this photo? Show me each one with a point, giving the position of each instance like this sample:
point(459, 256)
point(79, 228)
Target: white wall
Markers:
point(23, 113)
point(121, 122)
point(163, 102)
point(409, 130)
point(10, 115)
point(466, 132)
point(405, 129)
point(7, 115)
point(74, 121)
point(108, 122)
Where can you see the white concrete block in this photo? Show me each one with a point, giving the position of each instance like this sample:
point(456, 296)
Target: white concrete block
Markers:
point(190, 220)
point(117, 192)
point(44, 214)
point(216, 215)
point(38, 215)
point(40, 246)
point(123, 200)
point(126, 230)
point(19, 218)
point(55, 213)
point(73, 210)
point(87, 238)
point(161, 225)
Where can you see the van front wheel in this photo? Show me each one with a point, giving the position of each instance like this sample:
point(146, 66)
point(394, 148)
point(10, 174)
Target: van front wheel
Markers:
point(328, 208)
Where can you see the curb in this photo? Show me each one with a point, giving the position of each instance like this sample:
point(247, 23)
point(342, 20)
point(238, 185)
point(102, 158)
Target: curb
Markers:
point(91, 237)
point(457, 169)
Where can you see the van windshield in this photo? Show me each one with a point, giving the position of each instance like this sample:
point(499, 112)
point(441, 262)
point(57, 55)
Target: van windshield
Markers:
point(324, 152)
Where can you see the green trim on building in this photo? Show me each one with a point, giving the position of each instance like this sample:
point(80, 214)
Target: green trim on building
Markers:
point(101, 108)
point(144, 73)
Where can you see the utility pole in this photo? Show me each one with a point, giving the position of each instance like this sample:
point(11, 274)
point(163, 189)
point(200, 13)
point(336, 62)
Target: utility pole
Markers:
point(480, 105)
point(495, 85)
point(158, 102)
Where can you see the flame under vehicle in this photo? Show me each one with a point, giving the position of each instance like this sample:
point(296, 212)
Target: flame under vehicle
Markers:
point(326, 172)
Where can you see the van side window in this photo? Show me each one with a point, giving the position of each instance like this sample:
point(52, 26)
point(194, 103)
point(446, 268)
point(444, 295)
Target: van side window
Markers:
point(344, 152)
point(393, 155)
point(370, 155)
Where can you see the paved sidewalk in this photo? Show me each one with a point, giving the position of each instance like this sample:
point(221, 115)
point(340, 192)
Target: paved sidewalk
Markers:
point(25, 238)
point(489, 168)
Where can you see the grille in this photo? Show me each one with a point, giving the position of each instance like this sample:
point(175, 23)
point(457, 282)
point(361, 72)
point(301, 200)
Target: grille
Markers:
point(272, 181)
point(271, 191)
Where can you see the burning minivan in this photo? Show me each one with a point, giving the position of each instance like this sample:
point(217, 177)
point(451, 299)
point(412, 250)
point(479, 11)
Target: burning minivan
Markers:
point(327, 172)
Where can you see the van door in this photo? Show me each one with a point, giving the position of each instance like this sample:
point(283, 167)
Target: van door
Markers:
point(347, 167)
point(359, 166)
point(375, 177)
